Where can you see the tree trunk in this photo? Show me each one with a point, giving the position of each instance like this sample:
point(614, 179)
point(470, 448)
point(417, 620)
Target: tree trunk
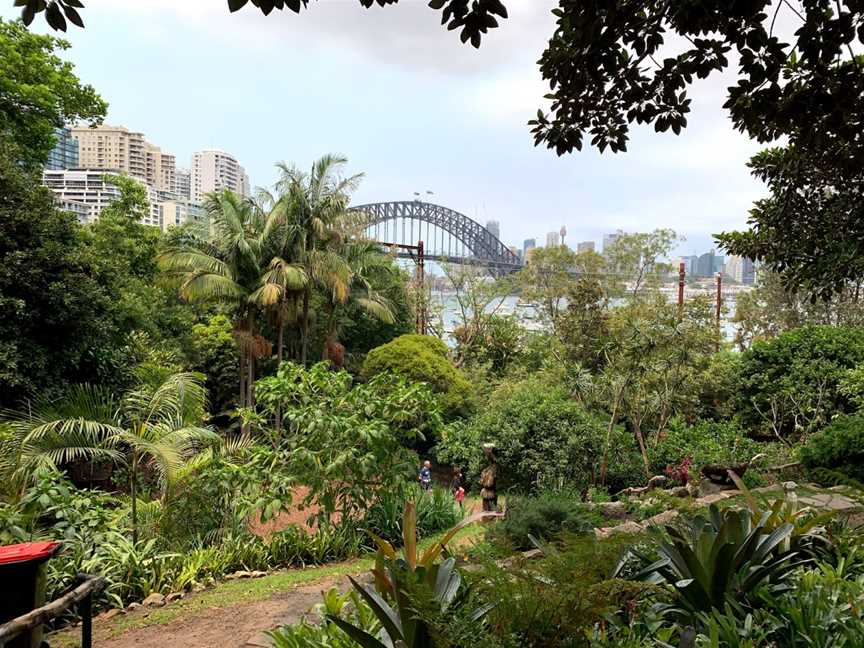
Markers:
point(133, 488)
point(604, 465)
point(304, 343)
point(280, 349)
point(643, 450)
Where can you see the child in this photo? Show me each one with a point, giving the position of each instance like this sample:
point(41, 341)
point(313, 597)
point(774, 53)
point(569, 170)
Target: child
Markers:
point(460, 498)
point(426, 476)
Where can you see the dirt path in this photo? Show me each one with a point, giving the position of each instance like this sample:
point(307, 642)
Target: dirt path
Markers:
point(225, 627)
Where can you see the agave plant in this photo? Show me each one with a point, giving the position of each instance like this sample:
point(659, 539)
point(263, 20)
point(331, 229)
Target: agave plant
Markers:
point(720, 560)
point(399, 578)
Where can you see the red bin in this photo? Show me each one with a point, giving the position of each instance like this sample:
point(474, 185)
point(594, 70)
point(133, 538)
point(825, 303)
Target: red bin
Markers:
point(22, 585)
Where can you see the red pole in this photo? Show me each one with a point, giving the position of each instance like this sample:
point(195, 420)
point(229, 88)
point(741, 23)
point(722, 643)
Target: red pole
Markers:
point(682, 273)
point(718, 307)
point(421, 294)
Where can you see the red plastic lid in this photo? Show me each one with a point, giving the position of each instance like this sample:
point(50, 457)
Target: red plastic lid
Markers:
point(27, 551)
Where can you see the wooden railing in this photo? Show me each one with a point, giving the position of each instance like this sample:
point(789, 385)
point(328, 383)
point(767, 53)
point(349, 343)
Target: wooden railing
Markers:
point(80, 593)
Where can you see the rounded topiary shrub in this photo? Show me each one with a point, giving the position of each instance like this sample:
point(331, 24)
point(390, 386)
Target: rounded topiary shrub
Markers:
point(839, 447)
point(423, 358)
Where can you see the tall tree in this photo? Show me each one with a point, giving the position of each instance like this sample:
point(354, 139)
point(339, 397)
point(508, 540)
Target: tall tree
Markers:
point(39, 92)
point(316, 204)
point(636, 262)
point(55, 326)
point(227, 268)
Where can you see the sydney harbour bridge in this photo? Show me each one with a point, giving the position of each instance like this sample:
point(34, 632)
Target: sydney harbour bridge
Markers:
point(447, 235)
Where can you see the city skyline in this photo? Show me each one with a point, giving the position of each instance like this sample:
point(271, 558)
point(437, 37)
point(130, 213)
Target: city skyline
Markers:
point(477, 152)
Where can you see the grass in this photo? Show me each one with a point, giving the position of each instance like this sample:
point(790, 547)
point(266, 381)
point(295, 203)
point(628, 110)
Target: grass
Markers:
point(239, 592)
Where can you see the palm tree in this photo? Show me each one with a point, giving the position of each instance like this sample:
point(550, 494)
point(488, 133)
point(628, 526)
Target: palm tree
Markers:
point(156, 426)
point(316, 203)
point(365, 265)
point(226, 267)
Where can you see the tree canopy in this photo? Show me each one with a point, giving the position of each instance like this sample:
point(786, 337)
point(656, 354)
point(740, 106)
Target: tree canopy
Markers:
point(39, 92)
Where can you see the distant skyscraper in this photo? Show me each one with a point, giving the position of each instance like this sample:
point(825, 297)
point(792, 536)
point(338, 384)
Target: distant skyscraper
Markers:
point(705, 264)
point(527, 246)
point(609, 241)
point(64, 155)
point(553, 239)
point(214, 170)
point(494, 227)
point(691, 264)
point(585, 246)
point(182, 183)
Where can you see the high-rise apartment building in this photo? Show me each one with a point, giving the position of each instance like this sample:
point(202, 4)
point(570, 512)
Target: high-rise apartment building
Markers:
point(116, 148)
point(64, 155)
point(182, 186)
point(214, 170)
point(88, 187)
point(609, 240)
point(180, 212)
point(553, 239)
point(740, 269)
point(527, 246)
point(585, 246)
point(494, 228)
point(113, 148)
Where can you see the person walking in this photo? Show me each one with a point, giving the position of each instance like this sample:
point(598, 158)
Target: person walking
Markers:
point(425, 476)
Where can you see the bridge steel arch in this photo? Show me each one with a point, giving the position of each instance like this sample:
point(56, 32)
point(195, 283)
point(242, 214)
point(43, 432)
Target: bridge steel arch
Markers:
point(485, 247)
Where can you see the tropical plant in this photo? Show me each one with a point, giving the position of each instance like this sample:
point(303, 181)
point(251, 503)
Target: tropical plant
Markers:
point(403, 580)
point(720, 560)
point(436, 511)
point(229, 268)
point(313, 207)
point(154, 427)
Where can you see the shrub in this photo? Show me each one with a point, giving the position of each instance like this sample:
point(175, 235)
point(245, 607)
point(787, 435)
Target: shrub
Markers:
point(791, 385)
point(544, 440)
point(423, 358)
point(838, 447)
point(703, 443)
point(543, 517)
point(436, 511)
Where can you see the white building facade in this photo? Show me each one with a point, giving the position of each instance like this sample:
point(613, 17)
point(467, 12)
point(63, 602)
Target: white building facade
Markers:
point(214, 170)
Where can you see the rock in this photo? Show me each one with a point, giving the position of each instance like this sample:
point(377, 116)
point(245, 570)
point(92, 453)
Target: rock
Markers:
point(174, 596)
point(708, 487)
point(615, 510)
point(530, 554)
point(154, 600)
point(661, 518)
point(257, 574)
point(132, 607)
point(680, 491)
point(198, 587)
point(657, 481)
point(110, 614)
point(239, 574)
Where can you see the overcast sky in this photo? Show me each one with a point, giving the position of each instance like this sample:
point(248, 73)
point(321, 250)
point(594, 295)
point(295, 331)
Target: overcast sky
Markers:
point(410, 106)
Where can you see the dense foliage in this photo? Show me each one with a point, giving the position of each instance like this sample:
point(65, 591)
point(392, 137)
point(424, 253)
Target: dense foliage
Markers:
point(790, 385)
point(422, 358)
point(838, 447)
point(544, 438)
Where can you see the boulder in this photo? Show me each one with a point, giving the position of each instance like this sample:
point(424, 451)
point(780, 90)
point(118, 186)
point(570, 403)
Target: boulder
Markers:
point(615, 510)
point(132, 607)
point(239, 574)
point(174, 596)
point(154, 600)
point(110, 614)
point(657, 481)
point(257, 574)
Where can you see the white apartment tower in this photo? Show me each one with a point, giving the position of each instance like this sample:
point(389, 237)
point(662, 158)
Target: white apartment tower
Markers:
point(214, 170)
